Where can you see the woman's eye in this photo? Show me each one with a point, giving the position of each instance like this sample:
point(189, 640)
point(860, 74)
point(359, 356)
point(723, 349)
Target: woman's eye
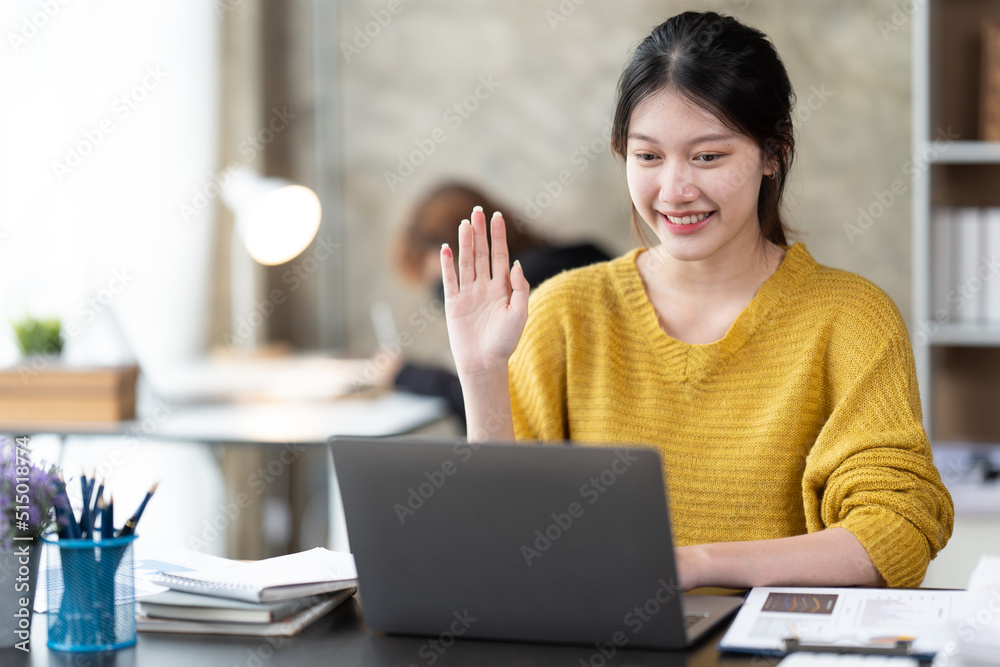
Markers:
point(709, 157)
point(645, 157)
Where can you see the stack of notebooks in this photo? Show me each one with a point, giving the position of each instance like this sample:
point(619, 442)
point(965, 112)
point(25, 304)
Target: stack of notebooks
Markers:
point(272, 597)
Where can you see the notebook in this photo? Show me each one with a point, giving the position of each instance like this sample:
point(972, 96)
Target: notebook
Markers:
point(288, 627)
point(272, 579)
point(522, 542)
point(195, 607)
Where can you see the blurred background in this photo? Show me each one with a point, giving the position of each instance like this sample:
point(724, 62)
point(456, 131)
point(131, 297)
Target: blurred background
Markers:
point(121, 120)
point(125, 123)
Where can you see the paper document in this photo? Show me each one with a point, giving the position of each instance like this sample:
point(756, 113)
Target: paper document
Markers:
point(862, 618)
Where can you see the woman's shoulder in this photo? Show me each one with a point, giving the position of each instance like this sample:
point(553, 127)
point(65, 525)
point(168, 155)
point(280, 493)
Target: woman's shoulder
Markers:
point(849, 298)
point(585, 284)
point(594, 294)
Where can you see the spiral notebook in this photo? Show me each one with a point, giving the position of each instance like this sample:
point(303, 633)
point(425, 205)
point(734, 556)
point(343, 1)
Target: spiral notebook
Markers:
point(272, 579)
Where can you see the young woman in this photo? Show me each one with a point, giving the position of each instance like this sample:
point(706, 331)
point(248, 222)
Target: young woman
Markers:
point(780, 393)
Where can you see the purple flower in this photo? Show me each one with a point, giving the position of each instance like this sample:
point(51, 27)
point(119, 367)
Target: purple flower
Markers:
point(42, 486)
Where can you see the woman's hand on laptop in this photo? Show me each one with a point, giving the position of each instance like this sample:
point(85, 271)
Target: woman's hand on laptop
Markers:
point(829, 557)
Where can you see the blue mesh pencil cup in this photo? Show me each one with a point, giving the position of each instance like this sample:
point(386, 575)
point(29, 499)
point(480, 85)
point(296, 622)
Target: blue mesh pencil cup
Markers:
point(91, 594)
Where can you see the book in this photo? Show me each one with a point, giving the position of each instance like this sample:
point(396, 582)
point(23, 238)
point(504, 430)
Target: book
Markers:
point(942, 274)
point(288, 627)
point(989, 93)
point(968, 258)
point(272, 579)
point(193, 607)
point(992, 289)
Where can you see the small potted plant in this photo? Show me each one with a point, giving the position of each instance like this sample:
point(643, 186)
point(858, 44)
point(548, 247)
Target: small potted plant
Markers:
point(29, 495)
point(38, 337)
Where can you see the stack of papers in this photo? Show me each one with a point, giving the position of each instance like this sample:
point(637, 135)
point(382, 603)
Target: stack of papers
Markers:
point(277, 596)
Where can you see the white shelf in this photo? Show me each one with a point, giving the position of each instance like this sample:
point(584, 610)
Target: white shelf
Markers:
point(942, 101)
point(967, 335)
point(962, 152)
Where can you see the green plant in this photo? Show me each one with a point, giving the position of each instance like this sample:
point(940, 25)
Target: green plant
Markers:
point(39, 336)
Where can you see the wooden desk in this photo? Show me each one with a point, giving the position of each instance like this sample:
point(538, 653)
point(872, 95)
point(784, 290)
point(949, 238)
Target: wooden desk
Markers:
point(341, 638)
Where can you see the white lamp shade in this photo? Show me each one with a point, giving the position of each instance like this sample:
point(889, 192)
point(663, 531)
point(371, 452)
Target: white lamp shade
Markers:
point(282, 225)
point(276, 219)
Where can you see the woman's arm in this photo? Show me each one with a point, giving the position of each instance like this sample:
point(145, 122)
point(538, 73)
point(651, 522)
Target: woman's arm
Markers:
point(486, 311)
point(832, 557)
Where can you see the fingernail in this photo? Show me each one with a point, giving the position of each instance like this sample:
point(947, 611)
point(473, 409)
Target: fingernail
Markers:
point(496, 213)
point(443, 246)
point(477, 208)
point(466, 222)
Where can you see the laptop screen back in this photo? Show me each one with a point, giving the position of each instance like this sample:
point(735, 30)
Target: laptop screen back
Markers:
point(533, 542)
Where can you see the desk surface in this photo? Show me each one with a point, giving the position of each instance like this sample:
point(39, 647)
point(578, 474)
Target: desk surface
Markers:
point(279, 422)
point(341, 638)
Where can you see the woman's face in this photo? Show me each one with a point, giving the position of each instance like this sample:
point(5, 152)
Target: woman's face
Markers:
point(693, 180)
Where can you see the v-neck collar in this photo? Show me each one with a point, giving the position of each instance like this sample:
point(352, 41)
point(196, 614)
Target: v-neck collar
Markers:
point(690, 362)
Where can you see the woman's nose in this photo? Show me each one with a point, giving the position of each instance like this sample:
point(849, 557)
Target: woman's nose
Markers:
point(677, 186)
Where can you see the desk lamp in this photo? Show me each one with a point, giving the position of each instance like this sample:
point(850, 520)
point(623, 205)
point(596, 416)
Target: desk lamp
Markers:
point(275, 220)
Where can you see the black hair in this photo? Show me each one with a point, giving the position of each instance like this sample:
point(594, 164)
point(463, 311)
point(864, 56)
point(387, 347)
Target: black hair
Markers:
point(732, 71)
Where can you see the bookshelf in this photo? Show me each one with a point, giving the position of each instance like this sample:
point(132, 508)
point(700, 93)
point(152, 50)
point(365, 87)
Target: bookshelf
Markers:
point(958, 362)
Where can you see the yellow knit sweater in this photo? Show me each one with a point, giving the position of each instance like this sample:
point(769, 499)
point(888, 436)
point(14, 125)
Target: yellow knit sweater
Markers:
point(804, 416)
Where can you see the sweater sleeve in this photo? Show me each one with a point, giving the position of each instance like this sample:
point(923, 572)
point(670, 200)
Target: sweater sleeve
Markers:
point(871, 469)
point(538, 369)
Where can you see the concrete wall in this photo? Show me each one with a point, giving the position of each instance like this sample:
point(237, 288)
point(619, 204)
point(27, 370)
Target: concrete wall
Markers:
point(553, 67)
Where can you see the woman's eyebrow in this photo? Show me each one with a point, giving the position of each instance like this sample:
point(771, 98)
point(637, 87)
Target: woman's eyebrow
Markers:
point(697, 140)
point(711, 137)
point(642, 137)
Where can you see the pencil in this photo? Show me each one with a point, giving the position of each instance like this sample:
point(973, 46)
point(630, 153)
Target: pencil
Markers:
point(85, 515)
point(72, 528)
point(101, 509)
point(129, 527)
point(100, 494)
point(108, 522)
point(62, 523)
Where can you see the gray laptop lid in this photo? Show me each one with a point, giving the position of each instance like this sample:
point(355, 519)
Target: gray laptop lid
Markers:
point(503, 541)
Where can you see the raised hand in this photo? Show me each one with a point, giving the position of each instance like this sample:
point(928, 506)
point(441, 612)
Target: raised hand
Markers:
point(485, 311)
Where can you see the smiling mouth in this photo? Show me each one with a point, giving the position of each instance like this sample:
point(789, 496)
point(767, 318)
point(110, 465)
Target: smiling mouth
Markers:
point(687, 219)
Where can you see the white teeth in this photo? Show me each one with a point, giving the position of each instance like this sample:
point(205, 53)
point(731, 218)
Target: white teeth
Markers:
point(689, 219)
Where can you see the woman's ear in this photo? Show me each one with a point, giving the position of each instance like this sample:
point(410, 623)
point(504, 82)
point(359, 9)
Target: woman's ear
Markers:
point(773, 155)
point(771, 166)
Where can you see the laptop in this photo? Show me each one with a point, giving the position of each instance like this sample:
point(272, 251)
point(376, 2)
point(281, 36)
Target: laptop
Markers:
point(522, 542)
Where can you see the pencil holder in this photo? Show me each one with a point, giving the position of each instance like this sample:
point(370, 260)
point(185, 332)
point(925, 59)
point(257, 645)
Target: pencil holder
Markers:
point(91, 594)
